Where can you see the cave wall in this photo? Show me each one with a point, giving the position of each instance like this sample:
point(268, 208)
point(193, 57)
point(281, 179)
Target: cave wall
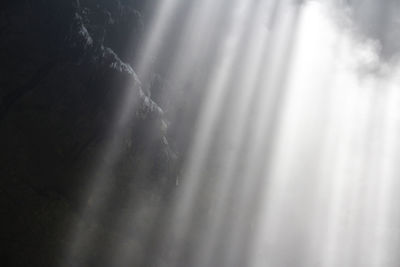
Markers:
point(64, 73)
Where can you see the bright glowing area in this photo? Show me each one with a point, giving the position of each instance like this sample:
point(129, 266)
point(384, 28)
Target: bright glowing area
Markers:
point(293, 158)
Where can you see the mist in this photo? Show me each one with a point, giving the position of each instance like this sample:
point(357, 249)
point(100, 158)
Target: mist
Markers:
point(200, 133)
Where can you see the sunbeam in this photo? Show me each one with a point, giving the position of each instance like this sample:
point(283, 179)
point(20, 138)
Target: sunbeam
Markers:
point(200, 133)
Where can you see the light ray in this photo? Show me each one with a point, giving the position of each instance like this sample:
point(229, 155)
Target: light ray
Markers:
point(293, 158)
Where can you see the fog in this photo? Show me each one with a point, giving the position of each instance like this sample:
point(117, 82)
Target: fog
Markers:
point(291, 117)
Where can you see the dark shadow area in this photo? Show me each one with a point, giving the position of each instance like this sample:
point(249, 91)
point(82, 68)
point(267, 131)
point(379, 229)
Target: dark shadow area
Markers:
point(64, 70)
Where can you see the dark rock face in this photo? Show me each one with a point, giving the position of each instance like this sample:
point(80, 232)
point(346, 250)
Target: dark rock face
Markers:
point(60, 93)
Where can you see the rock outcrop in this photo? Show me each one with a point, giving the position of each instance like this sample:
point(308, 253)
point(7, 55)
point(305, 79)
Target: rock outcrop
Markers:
point(60, 93)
